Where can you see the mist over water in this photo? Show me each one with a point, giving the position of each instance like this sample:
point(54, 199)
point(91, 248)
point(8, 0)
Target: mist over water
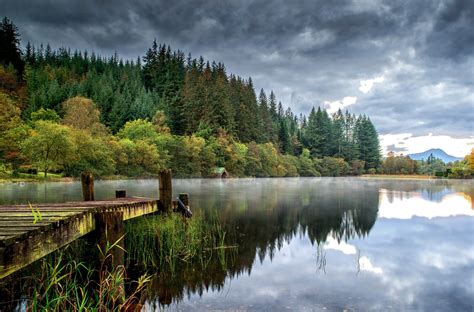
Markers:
point(309, 244)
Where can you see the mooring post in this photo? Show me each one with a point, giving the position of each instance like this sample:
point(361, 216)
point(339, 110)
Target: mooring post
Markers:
point(120, 193)
point(166, 189)
point(184, 197)
point(183, 205)
point(110, 231)
point(87, 181)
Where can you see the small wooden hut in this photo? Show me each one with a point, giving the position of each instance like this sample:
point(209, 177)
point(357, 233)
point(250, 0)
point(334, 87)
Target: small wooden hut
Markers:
point(220, 173)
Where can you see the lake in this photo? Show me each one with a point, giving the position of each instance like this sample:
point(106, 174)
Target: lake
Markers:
point(315, 244)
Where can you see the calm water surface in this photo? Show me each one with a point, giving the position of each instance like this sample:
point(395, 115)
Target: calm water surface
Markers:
point(316, 244)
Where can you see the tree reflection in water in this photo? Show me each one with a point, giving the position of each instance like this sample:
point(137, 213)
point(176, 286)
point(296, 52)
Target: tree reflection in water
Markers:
point(260, 216)
point(266, 217)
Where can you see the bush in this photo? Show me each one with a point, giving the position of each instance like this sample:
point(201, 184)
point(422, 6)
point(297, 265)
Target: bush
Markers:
point(333, 167)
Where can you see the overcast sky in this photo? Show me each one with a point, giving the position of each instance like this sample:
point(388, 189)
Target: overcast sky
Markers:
point(409, 65)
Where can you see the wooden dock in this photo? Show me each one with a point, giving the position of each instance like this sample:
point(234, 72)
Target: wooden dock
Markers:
point(28, 233)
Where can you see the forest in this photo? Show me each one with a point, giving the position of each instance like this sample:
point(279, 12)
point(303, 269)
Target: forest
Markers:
point(66, 112)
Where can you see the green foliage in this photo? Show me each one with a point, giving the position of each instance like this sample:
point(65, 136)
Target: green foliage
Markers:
point(136, 158)
point(68, 285)
point(431, 166)
point(306, 166)
point(463, 169)
point(138, 130)
point(367, 142)
point(332, 167)
point(12, 131)
point(49, 146)
point(92, 154)
point(45, 114)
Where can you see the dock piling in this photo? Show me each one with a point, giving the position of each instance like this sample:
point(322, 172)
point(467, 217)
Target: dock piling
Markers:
point(110, 232)
point(166, 190)
point(87, 181)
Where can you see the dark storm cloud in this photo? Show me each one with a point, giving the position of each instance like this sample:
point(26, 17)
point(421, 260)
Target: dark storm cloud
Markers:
point(308, 52)
point(454, 21)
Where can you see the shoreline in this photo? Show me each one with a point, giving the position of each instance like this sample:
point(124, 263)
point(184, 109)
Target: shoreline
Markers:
point(112, 178)
point(401, 177)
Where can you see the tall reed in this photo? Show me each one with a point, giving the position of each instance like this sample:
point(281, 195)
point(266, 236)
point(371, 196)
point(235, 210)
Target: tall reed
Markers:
point(68, 285)
point(165, 241)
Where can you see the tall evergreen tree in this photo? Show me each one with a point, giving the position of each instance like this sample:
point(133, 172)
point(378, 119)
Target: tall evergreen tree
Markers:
point(367, 142)
point(266, 122)
point(10, 52)
point(284, 138)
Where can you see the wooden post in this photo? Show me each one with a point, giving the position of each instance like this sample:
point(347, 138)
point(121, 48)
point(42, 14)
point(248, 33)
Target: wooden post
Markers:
point(110, 229)
point(120, 193)
point(166, 189)
point(184, 198)
point(87, 181)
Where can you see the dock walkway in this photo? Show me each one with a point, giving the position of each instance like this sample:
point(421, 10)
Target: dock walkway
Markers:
point(28, 233)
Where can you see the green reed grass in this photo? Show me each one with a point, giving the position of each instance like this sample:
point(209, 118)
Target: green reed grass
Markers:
point(166, 241)
point(68, 285)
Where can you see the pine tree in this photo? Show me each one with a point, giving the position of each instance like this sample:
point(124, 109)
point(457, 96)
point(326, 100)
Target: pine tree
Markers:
point(367, 142)
point(10, 52)
point(339, 139)
point(266, 122)
point(284, 138)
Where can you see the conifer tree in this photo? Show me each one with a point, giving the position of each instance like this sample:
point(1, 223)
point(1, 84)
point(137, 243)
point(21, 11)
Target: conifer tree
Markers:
point(10, 52)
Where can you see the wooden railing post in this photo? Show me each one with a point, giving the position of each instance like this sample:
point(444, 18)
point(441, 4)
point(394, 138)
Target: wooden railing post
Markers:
point(166, 190)
point(87, 181)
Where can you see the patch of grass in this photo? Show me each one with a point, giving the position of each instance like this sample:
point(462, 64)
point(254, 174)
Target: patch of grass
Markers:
point(166, 241)
point(68, 285)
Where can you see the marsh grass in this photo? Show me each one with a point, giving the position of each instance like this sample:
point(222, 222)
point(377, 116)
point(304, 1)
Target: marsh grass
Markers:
point(169, 241)
point(69, 285)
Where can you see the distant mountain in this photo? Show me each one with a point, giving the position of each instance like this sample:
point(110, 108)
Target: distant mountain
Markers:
point(437, 152)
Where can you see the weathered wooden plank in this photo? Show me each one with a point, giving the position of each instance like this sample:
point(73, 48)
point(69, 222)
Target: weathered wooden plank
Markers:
point(18, 255)
point(46, 214)
point(14, 221)
point(97, 203)
point(22, 241)
point(30, 218)
point(46, 210)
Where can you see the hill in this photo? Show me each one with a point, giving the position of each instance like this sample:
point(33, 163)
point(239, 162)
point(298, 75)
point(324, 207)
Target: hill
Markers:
point(437, 153)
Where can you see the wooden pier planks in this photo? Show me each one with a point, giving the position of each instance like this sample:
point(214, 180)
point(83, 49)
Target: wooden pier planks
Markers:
point(26, 236)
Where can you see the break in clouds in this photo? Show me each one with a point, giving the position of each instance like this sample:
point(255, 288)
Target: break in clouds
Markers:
point(406, 64)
